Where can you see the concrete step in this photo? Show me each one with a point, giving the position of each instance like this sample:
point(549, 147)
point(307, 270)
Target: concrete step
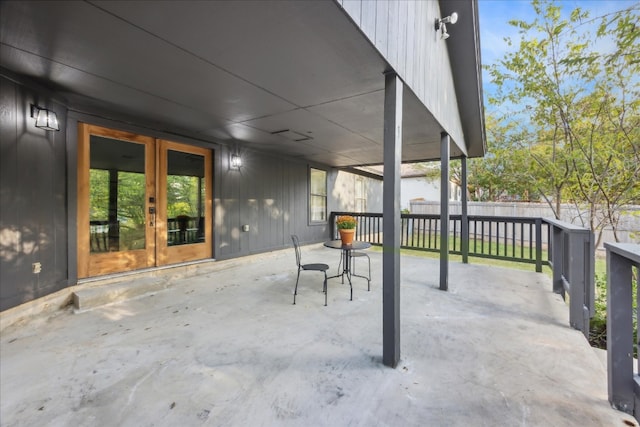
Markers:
point(98, 296)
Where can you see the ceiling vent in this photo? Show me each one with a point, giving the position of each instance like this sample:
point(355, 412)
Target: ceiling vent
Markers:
point(292, 135)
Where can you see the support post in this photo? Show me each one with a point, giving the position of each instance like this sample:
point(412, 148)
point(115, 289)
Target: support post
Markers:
point(464, 226)
point(538, 245)
point(444, 211)
point(391, 220)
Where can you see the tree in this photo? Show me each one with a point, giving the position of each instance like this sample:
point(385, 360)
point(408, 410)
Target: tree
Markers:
point(578, 108)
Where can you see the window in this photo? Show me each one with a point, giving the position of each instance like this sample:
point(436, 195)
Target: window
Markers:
point(360, 195)
point(317, 195)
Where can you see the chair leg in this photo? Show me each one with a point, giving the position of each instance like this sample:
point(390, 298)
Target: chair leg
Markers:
point(369, 279)
point(295, 291)
point(325, 289)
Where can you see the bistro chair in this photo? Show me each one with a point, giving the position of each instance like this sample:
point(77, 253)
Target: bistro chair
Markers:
point(308, 267)
point(356, 254)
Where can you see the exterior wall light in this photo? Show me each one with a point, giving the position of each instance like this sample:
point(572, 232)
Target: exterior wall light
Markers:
point(236, 161)
point(45, 119)
point(442, 27)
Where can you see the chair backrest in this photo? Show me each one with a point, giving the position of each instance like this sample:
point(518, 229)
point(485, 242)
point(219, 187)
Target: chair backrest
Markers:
point(296, 246)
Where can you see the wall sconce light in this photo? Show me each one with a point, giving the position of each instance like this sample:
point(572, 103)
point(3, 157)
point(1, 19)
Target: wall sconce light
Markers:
point(442, 27)
point(45, 119)
point(236, 161)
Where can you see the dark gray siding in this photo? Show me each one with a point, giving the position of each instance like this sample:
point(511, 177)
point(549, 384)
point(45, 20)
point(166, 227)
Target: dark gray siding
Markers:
point(33, 213)
point(404, 33)
point(38, 196)
point(269, 194)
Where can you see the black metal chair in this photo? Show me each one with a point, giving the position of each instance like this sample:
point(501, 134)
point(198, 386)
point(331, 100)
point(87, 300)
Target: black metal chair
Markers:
point(356, 254)
point(308, 267)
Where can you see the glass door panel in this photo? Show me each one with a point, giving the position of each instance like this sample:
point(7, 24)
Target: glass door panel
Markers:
point(115, 183)
point(142, 202)
point(185, 198)
point(116, 195)
point(184, 202)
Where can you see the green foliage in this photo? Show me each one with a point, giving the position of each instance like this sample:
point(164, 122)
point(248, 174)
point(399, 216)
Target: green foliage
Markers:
point(598, 325)
point(182, 196)
point(572, 129)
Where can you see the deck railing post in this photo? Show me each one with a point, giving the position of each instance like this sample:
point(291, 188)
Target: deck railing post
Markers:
point(572, 262)
point(557, 258)
point(576, 277)
point(621, 381)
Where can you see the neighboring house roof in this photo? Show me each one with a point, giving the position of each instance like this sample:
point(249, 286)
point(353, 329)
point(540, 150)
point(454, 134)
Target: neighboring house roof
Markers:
point(294, 78)
point(407, 170)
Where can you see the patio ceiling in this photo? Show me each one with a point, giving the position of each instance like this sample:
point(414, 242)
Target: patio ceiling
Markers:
point(294, 78)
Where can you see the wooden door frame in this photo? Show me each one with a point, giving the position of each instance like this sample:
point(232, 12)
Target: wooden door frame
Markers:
point(156, 251)
point(166, 254)
point(108, 262)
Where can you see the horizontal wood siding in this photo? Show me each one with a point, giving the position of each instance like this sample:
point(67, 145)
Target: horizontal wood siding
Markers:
point(404, 33)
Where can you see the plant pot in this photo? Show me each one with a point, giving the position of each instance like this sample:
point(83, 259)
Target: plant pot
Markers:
point(347, 235)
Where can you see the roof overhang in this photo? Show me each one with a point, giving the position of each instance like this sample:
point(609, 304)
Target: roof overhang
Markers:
point(292, 78)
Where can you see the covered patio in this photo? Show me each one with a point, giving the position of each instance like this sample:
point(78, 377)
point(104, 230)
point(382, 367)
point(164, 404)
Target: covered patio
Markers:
point(220, 343)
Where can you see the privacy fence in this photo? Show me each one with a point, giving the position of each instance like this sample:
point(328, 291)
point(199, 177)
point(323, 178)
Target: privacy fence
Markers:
point(628, 229)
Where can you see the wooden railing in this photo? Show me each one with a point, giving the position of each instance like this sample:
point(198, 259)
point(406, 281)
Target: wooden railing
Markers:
point(513, 239)
point(569, 249)
point(623, 384)
point(571, 255)
point(181, 231)
point(104, 236)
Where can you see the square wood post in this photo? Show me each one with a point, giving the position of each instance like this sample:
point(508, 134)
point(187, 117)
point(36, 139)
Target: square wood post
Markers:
point(391, 220)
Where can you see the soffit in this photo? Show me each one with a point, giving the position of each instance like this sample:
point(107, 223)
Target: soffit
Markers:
point(231, 72)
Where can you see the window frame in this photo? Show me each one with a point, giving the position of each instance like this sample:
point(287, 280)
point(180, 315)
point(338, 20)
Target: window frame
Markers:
point(360, 203)
point(312, 195)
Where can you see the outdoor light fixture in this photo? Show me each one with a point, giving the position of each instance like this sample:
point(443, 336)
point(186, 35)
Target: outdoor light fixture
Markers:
point(442, 27)
point(236, 161)
point(45, 119)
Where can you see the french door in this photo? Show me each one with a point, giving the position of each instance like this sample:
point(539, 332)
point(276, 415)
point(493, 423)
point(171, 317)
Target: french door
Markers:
point(142, 202)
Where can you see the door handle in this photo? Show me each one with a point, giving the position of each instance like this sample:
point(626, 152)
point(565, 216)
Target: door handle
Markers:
point(152, 212)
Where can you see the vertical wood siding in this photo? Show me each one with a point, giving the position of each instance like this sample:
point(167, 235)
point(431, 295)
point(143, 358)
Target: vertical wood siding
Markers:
point(403, 32)
point(38, 200)
point(270, 194)
point(33, 209)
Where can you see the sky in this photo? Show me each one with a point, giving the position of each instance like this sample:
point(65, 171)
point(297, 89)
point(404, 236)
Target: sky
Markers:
point(494, 27)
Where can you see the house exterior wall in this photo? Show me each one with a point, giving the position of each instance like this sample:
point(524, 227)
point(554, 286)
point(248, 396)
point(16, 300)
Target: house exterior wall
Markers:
point(38, 196)
point(33, 198)
point(418, 188)
point(419, 56)
point(344, 193)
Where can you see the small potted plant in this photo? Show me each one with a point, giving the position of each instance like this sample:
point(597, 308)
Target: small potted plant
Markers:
point(347, 228)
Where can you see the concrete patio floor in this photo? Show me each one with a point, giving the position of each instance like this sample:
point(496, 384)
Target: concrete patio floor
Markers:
point(224, 346)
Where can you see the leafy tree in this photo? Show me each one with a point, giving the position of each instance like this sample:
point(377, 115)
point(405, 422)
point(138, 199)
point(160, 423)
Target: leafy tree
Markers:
point(579, 110)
